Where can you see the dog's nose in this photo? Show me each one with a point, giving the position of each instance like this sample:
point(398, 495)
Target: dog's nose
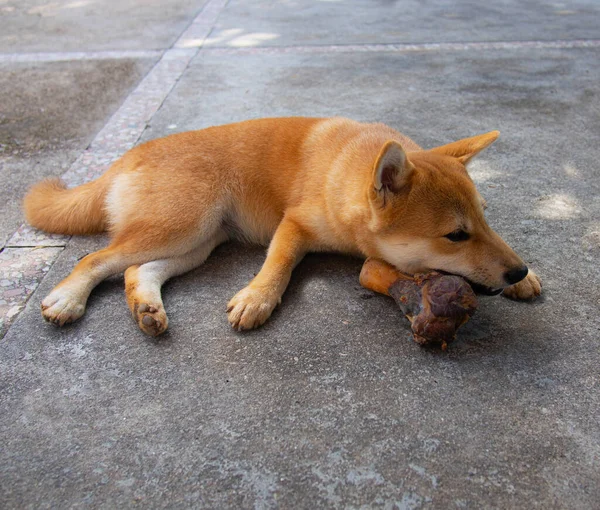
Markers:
point(515, 275)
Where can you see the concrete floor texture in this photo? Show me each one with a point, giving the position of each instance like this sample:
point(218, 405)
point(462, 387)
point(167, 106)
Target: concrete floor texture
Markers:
point(330, 404)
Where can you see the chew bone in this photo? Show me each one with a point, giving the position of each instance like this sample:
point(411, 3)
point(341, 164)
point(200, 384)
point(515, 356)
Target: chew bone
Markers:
point(435, 304)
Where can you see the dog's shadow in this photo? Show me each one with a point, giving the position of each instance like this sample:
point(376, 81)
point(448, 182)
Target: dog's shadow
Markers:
point(324, 299)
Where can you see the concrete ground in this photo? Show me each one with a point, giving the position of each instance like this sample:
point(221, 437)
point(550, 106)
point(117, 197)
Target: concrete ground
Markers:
point(330, 404)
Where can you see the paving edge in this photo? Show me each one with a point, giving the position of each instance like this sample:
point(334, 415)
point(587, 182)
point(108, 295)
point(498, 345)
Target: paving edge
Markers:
point(195, 36)
point(64, 56)
point(405, 48)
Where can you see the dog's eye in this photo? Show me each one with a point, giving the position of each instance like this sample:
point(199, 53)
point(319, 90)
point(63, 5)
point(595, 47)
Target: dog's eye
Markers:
point(457, 235)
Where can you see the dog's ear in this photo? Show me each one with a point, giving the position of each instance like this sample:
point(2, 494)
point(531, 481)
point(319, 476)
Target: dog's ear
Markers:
point(464, 150)
point(392, 168)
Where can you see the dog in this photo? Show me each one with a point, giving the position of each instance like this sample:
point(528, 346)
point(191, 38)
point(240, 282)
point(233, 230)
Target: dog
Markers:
point(295, 184)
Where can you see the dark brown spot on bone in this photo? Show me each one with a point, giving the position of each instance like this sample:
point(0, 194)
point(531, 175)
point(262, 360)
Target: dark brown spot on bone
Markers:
point(437, 305)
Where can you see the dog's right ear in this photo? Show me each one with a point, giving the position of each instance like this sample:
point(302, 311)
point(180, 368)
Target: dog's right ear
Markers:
point(466, 149)
point(392, 169)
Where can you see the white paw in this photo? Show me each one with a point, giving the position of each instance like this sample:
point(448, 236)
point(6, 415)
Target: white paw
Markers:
point(62, 308)
point(250, 308)
point(528, 288)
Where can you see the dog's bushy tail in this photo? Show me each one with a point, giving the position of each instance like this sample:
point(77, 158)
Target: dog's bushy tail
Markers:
point(50, 206)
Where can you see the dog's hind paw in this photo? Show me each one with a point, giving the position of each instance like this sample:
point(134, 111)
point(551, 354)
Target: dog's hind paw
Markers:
point(250, 308)
point(152, 319)
point(527, 289)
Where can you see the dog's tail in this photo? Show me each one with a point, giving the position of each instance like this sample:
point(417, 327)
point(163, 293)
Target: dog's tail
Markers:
point(52, 207)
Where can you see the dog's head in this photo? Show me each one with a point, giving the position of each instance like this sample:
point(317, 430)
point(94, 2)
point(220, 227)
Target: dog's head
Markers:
point(426, 214)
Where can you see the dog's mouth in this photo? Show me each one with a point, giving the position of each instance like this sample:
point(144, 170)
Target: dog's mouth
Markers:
point(478, 288)
point(483, 289)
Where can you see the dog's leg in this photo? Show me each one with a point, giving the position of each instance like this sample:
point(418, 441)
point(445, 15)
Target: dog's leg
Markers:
point(66, 302)
point(143, 283)
point(253, 305)
point(528, 288)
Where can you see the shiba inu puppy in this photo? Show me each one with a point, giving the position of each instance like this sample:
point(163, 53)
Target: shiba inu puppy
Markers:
point(298, 185)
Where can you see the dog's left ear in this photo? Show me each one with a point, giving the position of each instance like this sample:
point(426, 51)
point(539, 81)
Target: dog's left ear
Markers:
point(392, 168)
point(464, 150)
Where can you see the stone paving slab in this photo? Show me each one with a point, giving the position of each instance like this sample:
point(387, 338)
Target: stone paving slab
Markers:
point(72, 26)
point(20, 271)
point(331, 404)
point(246, 23)
point(50, 113)
point(28, 236)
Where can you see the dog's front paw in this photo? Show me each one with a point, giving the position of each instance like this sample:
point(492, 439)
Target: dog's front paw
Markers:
point(250, 308)
point(528, 288)
point(61, 307)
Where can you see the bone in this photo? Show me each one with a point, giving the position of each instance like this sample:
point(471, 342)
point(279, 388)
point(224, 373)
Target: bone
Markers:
point(436, 305)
